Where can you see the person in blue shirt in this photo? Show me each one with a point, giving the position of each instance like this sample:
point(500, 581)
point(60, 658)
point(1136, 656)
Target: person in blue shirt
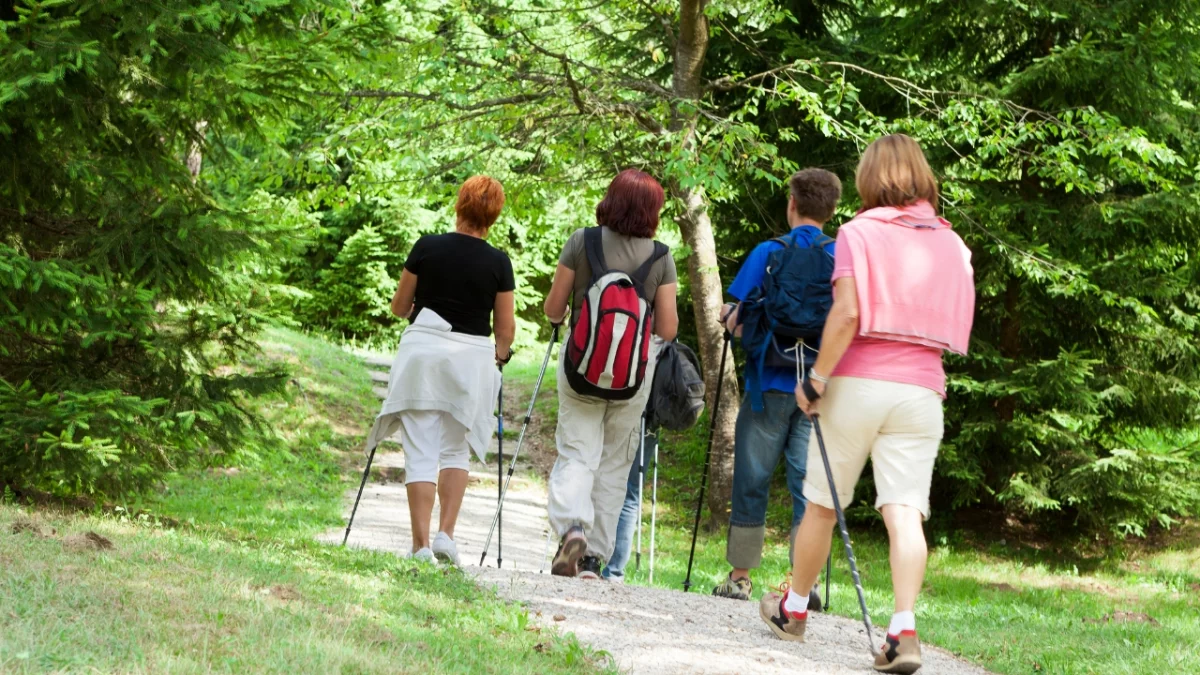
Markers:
point(781, 430)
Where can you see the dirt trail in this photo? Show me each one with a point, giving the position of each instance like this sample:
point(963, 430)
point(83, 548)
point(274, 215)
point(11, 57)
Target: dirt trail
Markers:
point(645, 630)
point(656, 631)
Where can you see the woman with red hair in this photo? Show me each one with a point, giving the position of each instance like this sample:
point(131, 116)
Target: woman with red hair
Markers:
point(456, 290)
point(598, 426)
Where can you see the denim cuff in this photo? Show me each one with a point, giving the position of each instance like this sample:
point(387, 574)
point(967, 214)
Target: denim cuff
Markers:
point(743, 549)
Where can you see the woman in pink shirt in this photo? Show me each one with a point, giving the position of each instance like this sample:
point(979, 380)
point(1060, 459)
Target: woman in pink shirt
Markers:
point(904, 293)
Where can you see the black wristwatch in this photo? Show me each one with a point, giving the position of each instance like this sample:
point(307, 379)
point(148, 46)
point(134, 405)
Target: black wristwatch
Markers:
point(504, 362)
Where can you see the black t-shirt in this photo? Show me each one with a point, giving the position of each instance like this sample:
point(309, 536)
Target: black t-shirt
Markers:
point(458, 276)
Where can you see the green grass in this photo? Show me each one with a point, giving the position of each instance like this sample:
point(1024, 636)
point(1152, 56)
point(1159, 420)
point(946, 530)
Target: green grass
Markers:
point(240, 585)
point(1009, 607)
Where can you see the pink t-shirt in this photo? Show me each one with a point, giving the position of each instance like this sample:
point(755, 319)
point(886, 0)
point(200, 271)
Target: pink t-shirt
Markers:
point(888, 360)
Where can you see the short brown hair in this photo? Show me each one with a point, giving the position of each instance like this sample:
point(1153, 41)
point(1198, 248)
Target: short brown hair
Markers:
point(893, 172)
point(479, 202)
point(632, 204)
point(815, 193)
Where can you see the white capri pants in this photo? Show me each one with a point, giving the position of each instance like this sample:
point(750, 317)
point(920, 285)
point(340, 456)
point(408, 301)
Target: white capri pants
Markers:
point(433, 441)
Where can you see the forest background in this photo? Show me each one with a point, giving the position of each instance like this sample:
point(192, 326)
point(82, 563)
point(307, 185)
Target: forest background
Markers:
point(176, 176)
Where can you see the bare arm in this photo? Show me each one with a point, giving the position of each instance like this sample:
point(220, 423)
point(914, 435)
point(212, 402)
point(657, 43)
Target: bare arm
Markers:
point(560, 292)
point(666, 313)
point(406, 290)
point(504, 323)
point(731, 321)
point(840, 329)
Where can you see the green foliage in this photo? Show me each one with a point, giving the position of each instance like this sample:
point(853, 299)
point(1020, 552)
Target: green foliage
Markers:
point(125, 280)
point(1064, 135)
point(333, 135)
point(351, 271)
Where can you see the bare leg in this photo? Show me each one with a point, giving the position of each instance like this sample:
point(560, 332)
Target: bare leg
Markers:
point(739, 573)
point(813, 540)
point(452, 485)
point(420, 510)
point(906, 537)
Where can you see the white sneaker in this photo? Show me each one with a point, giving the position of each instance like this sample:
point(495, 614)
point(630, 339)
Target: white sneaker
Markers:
point(445, 549)
point(424, 555)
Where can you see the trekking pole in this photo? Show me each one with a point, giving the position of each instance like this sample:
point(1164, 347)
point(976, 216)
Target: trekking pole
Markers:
point(653, 506)
point(499, 476)
point(363, 484)
point(828, 571)
point(712, 429)
point(841, 518)
point(637, 565)
point(520, 441)
point(799, 350)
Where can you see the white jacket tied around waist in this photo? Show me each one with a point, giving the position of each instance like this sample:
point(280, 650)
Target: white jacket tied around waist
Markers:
point(436, 369)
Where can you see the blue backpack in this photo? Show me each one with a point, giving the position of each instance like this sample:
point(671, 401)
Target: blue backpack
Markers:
point(783, 318)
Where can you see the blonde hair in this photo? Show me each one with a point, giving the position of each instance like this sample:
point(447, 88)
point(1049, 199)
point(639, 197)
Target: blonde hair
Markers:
point(893, 172)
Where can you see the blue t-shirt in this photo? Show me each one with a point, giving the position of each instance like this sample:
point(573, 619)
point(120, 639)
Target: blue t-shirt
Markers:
point(750, 277)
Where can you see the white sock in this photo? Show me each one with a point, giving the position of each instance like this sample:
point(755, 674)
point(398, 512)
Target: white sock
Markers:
point(902, 621)
point(796, 604)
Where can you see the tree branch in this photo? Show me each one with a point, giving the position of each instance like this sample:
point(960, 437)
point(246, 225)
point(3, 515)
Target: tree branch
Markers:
point(901, 85)
point(434, 98)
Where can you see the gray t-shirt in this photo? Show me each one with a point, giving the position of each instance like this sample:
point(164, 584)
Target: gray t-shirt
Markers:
point(620, 253)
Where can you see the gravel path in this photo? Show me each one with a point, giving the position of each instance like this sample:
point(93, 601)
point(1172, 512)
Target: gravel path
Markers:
point(646, 630)
point(651, 630)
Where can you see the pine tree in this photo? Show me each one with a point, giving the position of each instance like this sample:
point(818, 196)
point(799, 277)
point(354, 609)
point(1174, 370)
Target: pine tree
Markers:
point(125, 278)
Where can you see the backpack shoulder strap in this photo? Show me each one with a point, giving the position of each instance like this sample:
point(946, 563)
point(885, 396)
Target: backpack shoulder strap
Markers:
point(643, 272)
point(785, 240)
point(593, 245)
point(821, 241)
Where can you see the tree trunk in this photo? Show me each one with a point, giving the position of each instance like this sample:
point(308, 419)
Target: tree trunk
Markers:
point(705, 287)
point(195, 156)
point(705, 280)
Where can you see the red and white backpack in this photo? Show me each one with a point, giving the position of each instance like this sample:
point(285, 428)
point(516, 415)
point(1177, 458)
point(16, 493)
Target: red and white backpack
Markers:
point(609, 344)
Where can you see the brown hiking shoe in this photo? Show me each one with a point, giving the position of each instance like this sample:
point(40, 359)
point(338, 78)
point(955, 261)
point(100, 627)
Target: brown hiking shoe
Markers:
point(900, 654)
point(734, 589)
point(572, 548)
point(782, 623)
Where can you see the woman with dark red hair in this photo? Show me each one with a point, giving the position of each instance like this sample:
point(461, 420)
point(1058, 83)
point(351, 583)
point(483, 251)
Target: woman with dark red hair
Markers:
point(457, 292)
point(620, 284)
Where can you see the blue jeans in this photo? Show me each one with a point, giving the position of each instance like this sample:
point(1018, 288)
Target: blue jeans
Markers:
point(761, 439)
point(630, 512)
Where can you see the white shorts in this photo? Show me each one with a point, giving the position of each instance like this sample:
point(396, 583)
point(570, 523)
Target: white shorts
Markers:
point(899, 426)
point(433, 441)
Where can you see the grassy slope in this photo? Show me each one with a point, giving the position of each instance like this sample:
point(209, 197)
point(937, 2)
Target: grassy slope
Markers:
point(240, 586)
point(1011, 608)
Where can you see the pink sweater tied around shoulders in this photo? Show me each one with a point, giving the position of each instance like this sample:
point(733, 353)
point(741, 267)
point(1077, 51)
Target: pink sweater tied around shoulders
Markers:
point(913, 276)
